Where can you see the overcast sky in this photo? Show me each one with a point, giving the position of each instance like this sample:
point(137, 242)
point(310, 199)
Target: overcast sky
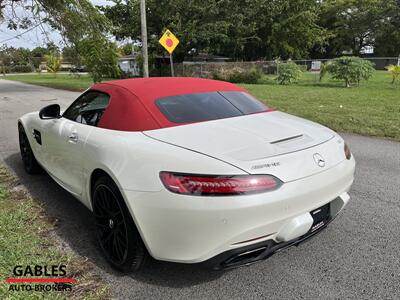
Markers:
point(35, 37)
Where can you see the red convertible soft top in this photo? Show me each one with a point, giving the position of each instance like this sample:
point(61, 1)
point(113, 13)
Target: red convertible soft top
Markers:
point(132, 105)
point(149, 89)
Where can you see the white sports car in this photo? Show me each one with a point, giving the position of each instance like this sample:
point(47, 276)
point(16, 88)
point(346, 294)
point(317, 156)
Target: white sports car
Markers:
point(190, 170)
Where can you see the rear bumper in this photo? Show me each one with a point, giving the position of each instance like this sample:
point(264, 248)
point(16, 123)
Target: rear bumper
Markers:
point(190, 229)
point(248, 255)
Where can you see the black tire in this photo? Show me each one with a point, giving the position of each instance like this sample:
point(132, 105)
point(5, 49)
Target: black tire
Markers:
point(116, 231)
point(29, 161)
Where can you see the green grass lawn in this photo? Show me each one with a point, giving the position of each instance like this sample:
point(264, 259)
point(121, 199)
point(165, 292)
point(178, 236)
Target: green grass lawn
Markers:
point(27, 238)
point(59, 81)
point(373, 108)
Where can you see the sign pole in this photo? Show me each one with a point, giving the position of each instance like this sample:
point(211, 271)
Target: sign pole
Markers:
point(172, 65)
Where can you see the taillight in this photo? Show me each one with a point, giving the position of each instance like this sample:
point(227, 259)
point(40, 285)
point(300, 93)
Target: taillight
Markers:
point(218, 185)
point(347, 151)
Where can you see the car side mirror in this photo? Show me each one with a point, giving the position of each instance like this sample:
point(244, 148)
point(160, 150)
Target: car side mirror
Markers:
point(51, 111)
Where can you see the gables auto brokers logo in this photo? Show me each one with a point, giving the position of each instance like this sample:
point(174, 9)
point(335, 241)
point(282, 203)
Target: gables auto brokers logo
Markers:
point(40, 278)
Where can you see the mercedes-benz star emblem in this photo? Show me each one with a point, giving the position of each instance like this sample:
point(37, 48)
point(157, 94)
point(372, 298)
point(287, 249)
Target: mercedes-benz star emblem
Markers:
point(319, 160)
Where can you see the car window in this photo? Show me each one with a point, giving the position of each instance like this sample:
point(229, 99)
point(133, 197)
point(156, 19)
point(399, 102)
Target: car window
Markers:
point(88, 108)
point(198, 107)
point(246, 103)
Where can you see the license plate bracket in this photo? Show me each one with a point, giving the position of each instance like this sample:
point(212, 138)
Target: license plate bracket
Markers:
point(320, 216)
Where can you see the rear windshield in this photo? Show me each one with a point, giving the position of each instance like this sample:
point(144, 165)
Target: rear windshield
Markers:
point(199, 107)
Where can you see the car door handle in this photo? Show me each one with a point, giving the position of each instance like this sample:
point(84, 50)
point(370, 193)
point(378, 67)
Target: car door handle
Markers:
point(73, 137)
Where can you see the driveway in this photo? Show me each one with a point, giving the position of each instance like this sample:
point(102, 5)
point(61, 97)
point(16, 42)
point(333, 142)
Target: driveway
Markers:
point(357, 256)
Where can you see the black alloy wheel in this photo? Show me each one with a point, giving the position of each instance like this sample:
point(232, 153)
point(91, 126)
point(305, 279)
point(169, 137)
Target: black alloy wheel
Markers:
point(118, 237)
point(29, 161)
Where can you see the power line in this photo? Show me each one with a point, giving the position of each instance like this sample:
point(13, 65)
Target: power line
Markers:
point(19, 35)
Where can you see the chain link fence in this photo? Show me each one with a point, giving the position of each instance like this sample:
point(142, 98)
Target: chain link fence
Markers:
point(207, 69)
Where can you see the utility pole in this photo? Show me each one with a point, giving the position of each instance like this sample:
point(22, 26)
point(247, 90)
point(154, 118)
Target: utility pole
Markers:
point(144, 38)
point(3, 69)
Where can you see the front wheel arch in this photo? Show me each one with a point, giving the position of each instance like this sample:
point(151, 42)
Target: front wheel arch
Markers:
point(31, 165)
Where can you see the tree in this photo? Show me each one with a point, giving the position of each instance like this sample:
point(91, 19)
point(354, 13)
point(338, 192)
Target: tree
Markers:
point(100, 57)
point(242, 30)
point(71, 54)
point(294, 30)
point(394, 71)
point(351, 69)
point(126, 49)
point(16, 56)
point(53, 63)
point(353, 25)
point(38, 55)
point(323, 70)
point(387, 39)
point(79, 22)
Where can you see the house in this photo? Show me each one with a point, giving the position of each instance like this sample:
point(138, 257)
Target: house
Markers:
point(129, 65)
point(65, 66)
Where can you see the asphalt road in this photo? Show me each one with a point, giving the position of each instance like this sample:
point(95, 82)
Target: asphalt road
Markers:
point(357, 256)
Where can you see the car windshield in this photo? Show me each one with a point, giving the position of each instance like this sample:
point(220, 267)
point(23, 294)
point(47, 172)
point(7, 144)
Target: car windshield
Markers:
point(199, 107)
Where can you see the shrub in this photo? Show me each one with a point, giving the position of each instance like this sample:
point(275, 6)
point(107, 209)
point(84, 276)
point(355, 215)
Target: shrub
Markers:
point(221, 74)
point(238, 75)
point(18, 69)
point(351, 69)
point(303, 68)
point(15, 69)
point(288, 73)
point(6, 69)
point(394, 71)
point(248, 76)
point(269, 69)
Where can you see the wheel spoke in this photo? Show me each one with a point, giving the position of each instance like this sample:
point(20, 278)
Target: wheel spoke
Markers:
point(108, 237)
point(117, 215)
point(106, 199)
point(115, 246)
point(120, 249)
point(102, 226)
point(103, 199)
point(122, 240)
point(120, 223)
point(102, 211)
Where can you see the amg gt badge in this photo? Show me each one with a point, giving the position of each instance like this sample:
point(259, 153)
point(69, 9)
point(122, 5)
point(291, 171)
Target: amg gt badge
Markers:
point(319, 160)
point(267, 165)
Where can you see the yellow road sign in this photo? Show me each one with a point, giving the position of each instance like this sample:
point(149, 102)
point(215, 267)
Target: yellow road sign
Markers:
point(169, 41)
